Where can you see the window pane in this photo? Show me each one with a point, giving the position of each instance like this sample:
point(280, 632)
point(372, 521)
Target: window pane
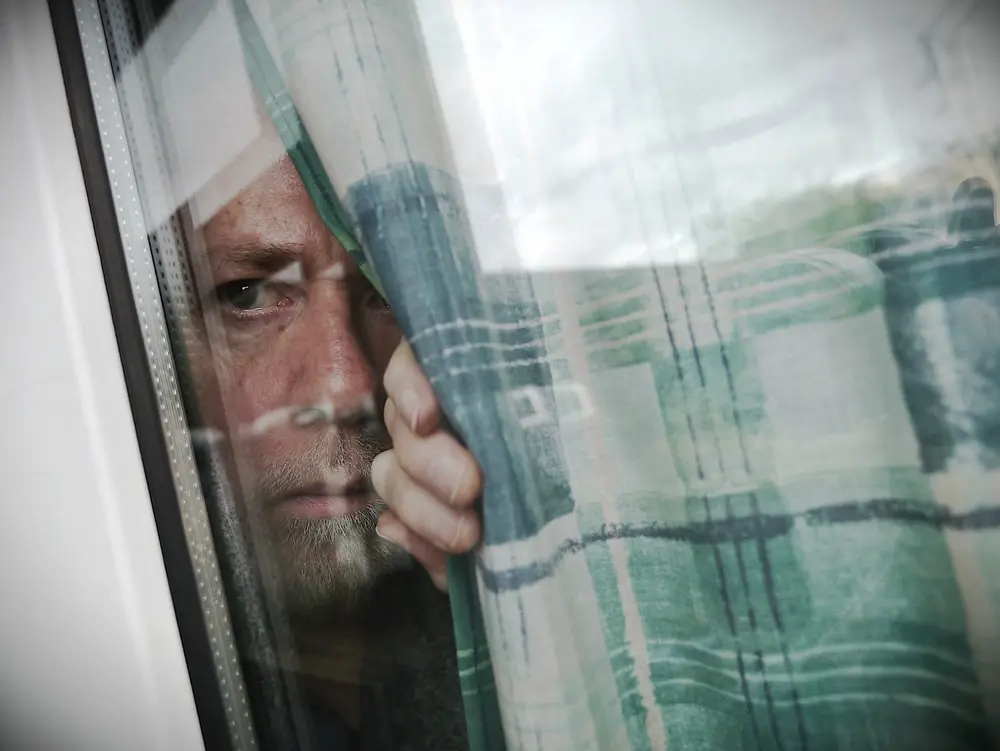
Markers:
point(267, 346)
point(700, 302)
point(137, 169)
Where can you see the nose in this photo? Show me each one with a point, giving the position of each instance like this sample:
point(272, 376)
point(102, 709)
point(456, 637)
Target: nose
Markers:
point(333, 381)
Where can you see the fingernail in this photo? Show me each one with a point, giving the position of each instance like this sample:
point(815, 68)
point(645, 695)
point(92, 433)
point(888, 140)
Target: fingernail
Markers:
point(385, 532)
point(409, 403)
point(446, 472)
point(461, 478)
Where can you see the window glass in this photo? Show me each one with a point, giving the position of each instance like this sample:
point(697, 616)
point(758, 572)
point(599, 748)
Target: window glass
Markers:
point(680, 317)
point(268, 347)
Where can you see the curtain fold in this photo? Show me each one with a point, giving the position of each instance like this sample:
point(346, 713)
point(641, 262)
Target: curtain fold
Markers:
point(740, 450)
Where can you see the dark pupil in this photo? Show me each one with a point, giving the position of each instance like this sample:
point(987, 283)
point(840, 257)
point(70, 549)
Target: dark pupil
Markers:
point(241, 294)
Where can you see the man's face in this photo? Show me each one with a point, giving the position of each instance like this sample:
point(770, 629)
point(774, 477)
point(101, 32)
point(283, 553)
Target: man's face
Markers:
point(306, 341)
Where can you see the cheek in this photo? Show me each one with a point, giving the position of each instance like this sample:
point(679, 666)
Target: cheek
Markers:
point(204, 375)
point(255, 388)
point(247, 388)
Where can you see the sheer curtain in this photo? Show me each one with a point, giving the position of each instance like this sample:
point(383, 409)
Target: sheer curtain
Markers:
point(712, 293)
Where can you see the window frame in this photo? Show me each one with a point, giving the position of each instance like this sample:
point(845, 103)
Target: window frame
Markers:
point(199, 602)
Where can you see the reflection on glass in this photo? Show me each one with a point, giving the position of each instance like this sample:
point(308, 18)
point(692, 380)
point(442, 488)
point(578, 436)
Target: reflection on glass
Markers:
point(710, 292)
point(302, 347)
point(285, 345)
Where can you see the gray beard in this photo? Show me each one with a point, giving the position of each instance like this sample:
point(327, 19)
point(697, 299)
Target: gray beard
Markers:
point(337, 570)
point(326, 567)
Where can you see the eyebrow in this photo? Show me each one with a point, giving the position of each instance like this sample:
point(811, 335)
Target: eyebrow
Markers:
point(266, 259)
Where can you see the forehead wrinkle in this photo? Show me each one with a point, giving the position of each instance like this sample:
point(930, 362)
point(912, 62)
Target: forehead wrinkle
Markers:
point(272, 224)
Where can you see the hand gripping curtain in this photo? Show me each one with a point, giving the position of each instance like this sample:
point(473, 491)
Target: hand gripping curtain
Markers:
point(712, 292)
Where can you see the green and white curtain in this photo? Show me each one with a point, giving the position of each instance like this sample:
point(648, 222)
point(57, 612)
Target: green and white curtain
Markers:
point(707, 290)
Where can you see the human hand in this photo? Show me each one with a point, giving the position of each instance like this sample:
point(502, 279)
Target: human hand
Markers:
point(428, 480)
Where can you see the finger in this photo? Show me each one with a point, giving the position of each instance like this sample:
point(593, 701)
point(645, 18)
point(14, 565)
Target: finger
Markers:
point(409, 389)
point(451, 530)
point(437, 462)
point(433, 560)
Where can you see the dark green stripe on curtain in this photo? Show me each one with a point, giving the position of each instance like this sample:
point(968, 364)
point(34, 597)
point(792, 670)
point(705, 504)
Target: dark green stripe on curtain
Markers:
point(281, 109)
point(482, 711)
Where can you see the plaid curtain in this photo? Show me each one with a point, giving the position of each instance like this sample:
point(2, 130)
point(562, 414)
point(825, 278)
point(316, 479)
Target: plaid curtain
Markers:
point(739, 498)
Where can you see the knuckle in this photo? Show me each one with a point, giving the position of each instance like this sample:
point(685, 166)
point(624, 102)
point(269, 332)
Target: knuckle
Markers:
point(409, 453)
point(472, 481)
point(466, 484)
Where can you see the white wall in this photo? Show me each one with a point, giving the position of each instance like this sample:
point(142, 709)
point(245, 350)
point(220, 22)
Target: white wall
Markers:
point(90, 656)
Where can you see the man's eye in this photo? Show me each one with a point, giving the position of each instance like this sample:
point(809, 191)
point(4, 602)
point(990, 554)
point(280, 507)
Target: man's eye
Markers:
point(376, 302)
point(249, 294)
point(242, 294)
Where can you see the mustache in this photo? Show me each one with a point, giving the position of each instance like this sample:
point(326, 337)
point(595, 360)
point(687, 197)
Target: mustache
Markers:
point(334, 458)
